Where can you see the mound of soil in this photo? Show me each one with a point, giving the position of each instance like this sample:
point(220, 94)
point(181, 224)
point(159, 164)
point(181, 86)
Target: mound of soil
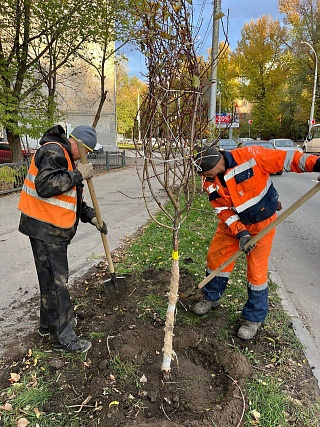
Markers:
point(120, 383)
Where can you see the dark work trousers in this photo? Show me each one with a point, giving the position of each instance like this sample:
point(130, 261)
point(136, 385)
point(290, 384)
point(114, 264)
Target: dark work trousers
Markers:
point(56, 310)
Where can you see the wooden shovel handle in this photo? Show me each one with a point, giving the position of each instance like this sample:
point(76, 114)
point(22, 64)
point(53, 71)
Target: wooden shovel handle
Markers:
point(263, 232)
point(94, 199)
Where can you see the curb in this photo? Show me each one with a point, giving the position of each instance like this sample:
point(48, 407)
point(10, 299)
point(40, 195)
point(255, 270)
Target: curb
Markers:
point(309, 348)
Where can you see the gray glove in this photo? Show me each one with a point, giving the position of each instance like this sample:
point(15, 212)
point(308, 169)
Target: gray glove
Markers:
point(103, 228)
point(243, 240)
point(86, 170)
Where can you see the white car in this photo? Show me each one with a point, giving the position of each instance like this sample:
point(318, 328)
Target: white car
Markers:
point(284, 144)
point(312, 143)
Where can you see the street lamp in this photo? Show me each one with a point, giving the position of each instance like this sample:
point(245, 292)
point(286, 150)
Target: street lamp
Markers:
point(143, 85)
point(217, 15)
point(138, 117)
point(314, 86)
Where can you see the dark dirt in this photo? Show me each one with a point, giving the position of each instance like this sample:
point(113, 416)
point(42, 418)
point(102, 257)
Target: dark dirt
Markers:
point(120, 383)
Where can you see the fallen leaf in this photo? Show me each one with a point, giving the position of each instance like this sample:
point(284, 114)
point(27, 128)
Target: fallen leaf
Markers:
point(256, 415)
point(22, 422)
point(37, 412)
point(87, 363)
point(143, 379)
point(6, 407)
point(114, 402)
point(14, 378)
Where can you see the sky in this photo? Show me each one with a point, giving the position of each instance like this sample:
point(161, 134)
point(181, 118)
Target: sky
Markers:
point(240, 12)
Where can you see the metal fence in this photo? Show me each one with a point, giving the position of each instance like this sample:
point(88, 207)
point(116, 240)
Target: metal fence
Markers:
point(108, 160)
point(12, 175)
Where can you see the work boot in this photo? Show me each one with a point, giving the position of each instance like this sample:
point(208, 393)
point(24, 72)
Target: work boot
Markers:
point(75, 346)
point(204, 306)
point(248, 330)
point(44, 332)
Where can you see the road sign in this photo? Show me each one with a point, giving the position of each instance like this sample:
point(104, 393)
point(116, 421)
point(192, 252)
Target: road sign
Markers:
point(224, 119)
point(250, 122)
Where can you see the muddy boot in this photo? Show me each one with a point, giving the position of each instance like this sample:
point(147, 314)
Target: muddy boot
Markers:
point(204, 306)
point(248, 330)
point(75, 346)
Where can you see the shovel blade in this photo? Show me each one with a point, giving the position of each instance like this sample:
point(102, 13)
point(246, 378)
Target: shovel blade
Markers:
point(115, 285)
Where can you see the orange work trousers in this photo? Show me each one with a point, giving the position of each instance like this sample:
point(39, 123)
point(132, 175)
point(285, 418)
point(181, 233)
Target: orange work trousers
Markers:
point(224, 244)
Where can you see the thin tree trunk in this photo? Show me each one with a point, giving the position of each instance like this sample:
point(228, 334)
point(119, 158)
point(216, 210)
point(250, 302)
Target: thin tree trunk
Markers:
point(171, 310)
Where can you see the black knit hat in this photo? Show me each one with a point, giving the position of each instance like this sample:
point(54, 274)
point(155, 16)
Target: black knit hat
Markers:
point(207, 159)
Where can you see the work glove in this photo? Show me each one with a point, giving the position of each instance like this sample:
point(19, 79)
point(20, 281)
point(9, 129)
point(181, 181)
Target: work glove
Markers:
point(86, 170)
point(103, 228)
point(243, 240)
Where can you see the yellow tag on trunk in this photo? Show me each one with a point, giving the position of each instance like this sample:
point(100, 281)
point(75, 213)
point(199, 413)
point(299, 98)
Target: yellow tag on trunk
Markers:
point(175, 255)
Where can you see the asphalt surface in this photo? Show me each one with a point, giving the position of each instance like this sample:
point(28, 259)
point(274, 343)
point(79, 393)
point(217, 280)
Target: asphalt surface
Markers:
point(122, 206)
point(294, 262)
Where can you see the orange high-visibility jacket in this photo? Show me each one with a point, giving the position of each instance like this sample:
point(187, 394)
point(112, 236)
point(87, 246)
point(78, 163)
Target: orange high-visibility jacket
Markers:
point(247, 195)
point(59, 211)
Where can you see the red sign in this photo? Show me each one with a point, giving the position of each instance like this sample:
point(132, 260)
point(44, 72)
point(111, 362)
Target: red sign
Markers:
point(223, 119)
point(312, 122)
point(250, 122)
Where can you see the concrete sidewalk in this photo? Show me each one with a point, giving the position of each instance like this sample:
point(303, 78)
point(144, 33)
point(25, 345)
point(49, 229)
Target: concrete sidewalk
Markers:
point(119, 194)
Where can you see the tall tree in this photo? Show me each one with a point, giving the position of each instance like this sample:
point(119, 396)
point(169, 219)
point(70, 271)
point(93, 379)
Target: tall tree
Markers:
point(303, 21)
point(130, 93)
point(263, 70)
point(29, 30)
point(37, 39)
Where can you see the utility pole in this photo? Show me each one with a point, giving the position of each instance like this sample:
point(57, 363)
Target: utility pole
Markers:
point(311, 120)
point(217, 14)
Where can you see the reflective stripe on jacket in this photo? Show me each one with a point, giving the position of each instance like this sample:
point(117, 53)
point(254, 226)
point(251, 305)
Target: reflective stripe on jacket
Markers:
point(59, 211)
point(248, 195)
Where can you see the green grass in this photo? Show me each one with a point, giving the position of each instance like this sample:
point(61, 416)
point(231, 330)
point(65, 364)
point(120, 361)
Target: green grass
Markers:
point(266, 397)
point(194, 238)
point(125, 372)
point(96, 335)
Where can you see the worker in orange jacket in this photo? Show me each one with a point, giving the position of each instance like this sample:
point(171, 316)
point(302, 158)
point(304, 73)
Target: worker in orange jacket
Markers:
point(51, 205)
point(245, 200)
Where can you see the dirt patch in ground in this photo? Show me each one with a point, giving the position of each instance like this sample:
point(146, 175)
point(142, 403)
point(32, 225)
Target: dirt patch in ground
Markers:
point(120, 383)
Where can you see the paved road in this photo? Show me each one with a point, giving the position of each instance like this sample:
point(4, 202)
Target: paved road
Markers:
point(120, 200)
point(295, 261)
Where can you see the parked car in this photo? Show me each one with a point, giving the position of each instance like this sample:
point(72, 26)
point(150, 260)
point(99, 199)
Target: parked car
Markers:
point(284, 144)
point(260, 143)
point(5, 154)
point(227, 144)
point(312, 143)
point(247, 139)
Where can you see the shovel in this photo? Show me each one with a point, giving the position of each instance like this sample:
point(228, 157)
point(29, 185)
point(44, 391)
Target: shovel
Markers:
point(114, 284)
point(262, 233)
